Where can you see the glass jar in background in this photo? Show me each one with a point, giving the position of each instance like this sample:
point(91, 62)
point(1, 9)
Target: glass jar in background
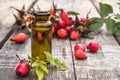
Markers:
point(41, 34)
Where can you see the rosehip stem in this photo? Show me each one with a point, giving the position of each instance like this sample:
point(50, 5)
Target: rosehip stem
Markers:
point(18, 57)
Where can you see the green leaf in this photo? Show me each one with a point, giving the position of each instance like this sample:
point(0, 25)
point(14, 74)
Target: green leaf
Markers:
point(30, 58)
point(110, 24)
point(117, 25)
point(96, 23)
point(117, 16)
point(72, 13)
point(40, 74)
point(34, 64)
point(90, 36)
point(117, 32)
point(105, 9)
point(44, 68)
point(61, 66)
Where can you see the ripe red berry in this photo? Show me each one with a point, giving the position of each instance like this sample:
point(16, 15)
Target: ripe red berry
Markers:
point(93, 46)
point(68, 28)
point(62, 33)
point(64, 15)
point(79, 54)
point(74, 35)
point(69, 21)
point(79, 46)
point(62, 23)
point(22, 69)
point(83, 20)
point(19, 38)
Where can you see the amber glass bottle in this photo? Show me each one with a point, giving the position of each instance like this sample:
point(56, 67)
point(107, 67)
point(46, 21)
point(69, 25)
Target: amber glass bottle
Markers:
point(41, 34)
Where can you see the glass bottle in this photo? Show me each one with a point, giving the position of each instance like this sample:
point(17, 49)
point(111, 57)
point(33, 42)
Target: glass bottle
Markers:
point(41, 34)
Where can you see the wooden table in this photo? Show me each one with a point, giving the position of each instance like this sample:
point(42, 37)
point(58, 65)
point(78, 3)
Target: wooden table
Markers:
point(103, 65)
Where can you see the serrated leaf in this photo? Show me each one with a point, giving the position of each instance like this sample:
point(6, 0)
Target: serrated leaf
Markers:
point(96, 23)
point(49, 57)
point(44, 68)
point(110, 24)
point(40, 74)
point(34, 64)
point(117, 32)
point(117, 16)
point(61, 66)
point(72, 13)
point(105, 9)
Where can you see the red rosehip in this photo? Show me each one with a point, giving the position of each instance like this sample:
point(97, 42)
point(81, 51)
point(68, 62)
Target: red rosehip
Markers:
point(19, 38)
point(22, 69)
point(79, 46)
point(69, 21)
point(68, 28)
point(62, 23)
point(79, 54)
point(74, 35)
point(62, 33)
point(93, 46)
point(83, 20)
point(64, 15)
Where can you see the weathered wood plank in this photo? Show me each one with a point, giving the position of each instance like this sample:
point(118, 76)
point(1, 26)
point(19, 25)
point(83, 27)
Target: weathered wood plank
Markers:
point(61, 49)
point(7, 19)
point(103, 64)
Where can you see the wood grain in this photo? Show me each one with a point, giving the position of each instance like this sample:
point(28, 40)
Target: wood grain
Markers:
point(7, 19)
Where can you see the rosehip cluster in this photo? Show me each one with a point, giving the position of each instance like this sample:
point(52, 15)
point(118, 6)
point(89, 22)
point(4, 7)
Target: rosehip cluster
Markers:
point(64, 27)
point(79, 49)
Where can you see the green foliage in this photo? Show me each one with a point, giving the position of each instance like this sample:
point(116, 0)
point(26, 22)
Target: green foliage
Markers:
point(105, 9)
point(110, 24)
point(40, 74)
point(96, 23)
point(56, 62)
point(41, 66)
point(117, 16)
point(72, 13)
point(117, 32)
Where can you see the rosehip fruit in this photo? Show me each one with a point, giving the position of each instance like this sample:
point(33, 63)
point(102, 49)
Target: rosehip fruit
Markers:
point(22, 69)
point(93, 46)
point(74, 35)
point(62, 33)
point(62, 23)
point(79, 46)
point(83, 20)
point(69, 21)
point(19, 38)
point(79, 54)
point(68, 28)
point(64, 15)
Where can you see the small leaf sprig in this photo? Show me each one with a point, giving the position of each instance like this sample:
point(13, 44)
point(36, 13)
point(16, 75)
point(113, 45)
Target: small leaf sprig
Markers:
point(111, 19)
point(41, 66)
